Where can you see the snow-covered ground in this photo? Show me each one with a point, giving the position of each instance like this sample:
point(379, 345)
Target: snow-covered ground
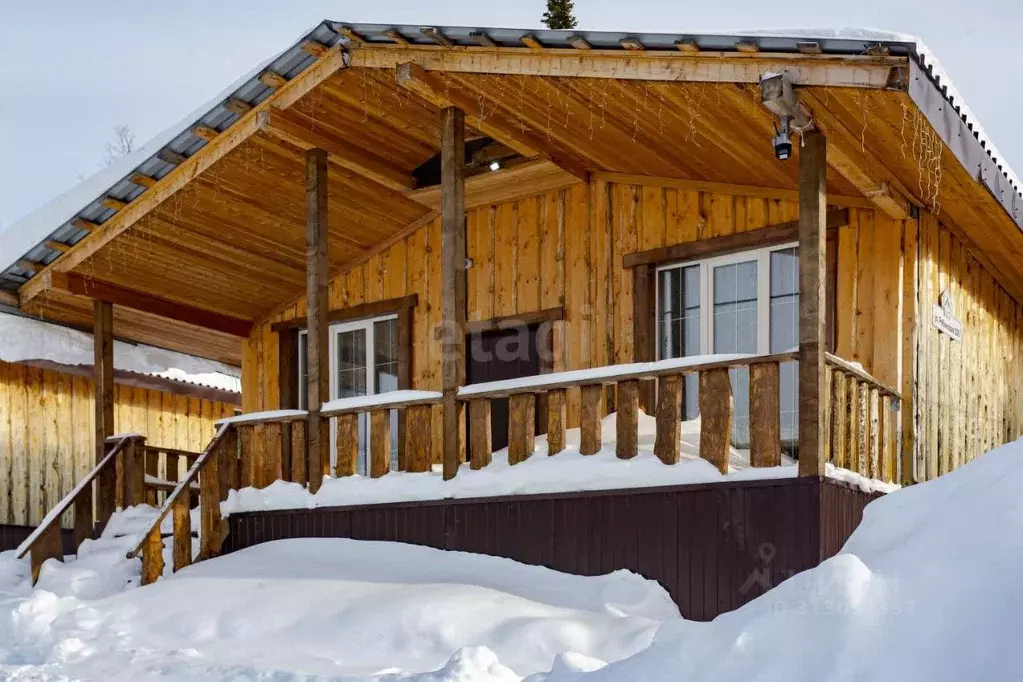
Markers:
point(926, 589)
point(565, 472)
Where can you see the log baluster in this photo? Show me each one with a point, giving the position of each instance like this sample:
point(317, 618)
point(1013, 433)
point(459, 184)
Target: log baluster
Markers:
point(716, 416)
point(627, 419)
point(589, 438)
point(555, 421)
point(669, 418)
point(521, 427)
point(480, 439)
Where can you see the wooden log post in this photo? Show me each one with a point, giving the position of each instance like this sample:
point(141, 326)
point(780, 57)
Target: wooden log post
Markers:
point(453, 284)
point(419, 437)
point(380, 443)
point(765, 414)
point(589, 423)
point(863, 428)
point(555, 421)
point(273, 447)
point(133, 456)
point(812, 301)
point(480, 437)
point(182, 539)
point(669, 418)
point(152, 557)
point(209, 504)
point(47, 546)
point(299, 453)
point(152, 458)
point(889, 470)
point(317, 351)
point(83, 515)
point(874, 449)
point(228, 468)
point(347, 445)
point(103, 379)
point(839, 419)
point(521, 427)
point(716, 417)
point(852, 417)
point(627, 420)
point(246, 438)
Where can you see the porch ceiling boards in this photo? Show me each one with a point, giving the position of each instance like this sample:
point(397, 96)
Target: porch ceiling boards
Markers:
point(231, 239)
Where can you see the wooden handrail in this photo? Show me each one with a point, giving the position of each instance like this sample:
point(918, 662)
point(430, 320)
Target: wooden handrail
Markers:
point(188, 454)
point(861, 374)
point(391, 400)
point(183, 485)
point(65, 504)
point(612, 374)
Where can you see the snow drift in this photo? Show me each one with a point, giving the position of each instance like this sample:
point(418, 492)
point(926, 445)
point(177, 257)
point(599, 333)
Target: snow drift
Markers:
point(925, 589)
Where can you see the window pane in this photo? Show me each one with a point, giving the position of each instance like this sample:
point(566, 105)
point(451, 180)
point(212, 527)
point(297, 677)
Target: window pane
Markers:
point(785, 336)
point(735, 331)
point(303, 371)
point(351, 363)
point(385, 372)
point(679, 325)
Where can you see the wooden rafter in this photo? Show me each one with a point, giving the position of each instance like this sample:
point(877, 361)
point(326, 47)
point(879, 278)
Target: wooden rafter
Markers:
point(186, 171)
point(711, 67)
point(57, 246)
point(272, 79)
point(503, 128)
point(848, 156)
point(143, 180)
point(725, 188)
point(237, 106)
point(506, 184)
point(8, 298)
point(172, 157)
point(129, 298)
point(205, 132)
point(113, 204)
point(85, 225)
point(353, 157)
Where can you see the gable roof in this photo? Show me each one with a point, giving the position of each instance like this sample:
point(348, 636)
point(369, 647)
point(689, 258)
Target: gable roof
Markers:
point(60, 220)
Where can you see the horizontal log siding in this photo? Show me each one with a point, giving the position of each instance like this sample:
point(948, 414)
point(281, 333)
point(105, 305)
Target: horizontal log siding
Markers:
point(46, 433)
point(713, 547)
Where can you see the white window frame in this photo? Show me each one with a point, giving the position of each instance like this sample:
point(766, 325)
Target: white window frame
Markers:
point(762, 256)
point(334, 332)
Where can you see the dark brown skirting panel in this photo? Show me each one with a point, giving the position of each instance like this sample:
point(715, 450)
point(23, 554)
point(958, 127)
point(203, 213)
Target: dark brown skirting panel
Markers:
point(12, 536)
point(714, 547)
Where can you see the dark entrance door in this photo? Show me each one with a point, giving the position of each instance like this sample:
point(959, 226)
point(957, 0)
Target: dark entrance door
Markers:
point(500, 355)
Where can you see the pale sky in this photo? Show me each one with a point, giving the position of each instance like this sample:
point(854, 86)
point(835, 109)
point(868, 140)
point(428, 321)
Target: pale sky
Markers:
point(71, 71)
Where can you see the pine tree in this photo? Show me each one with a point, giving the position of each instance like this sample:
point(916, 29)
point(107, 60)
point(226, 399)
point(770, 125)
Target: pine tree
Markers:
point(559, 14)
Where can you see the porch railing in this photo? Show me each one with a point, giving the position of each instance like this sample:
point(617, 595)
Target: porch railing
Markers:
point(715, 402)
point(862, 421)
point(259, 448)
point(118, 480)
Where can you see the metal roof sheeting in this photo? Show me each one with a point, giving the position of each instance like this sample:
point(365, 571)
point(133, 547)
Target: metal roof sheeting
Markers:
point(936, 99)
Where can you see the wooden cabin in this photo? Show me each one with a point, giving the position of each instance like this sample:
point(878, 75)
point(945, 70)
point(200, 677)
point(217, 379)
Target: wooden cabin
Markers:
point(397, 208)
point(47, 441)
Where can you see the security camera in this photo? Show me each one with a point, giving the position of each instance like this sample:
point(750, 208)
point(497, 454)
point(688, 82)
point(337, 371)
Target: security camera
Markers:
point(783, 140)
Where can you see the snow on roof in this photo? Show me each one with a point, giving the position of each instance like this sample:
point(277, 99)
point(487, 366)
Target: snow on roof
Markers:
point(26, 238)
point(24, 338)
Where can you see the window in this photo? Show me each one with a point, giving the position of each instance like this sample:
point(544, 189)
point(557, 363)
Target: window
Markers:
point(363, 361)
point(739, 303)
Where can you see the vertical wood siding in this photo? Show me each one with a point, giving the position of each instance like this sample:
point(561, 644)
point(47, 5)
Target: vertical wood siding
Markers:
point(46, 433)
point(968, 393)
point(565, 247)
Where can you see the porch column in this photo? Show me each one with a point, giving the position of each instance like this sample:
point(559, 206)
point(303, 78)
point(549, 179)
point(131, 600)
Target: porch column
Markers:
point(103, 380)
point(452, 209)
point(318, 362)
point(812, 239)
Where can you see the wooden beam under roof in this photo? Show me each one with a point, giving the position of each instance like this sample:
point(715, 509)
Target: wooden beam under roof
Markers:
point(115, 294)
point(848, 156)
point(8, 298)
point(179, 177)
point(353, 157)
point(855, 71)
point(272, 79)
point(57, 246)
point(506, 184)
point(84, 225)
point(143, 180)
point(725, 188)
point(444, 94)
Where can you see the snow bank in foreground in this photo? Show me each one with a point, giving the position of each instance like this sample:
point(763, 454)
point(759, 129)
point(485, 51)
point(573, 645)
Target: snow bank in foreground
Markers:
point(324, 608)
point(927, 588)
point(565, 472)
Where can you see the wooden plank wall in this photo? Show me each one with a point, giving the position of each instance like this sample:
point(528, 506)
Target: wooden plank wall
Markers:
point(46, 433)
point(968, 393)
point(559, 248)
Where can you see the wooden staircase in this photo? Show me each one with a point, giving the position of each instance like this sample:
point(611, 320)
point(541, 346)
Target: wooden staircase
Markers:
point(126, 476)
